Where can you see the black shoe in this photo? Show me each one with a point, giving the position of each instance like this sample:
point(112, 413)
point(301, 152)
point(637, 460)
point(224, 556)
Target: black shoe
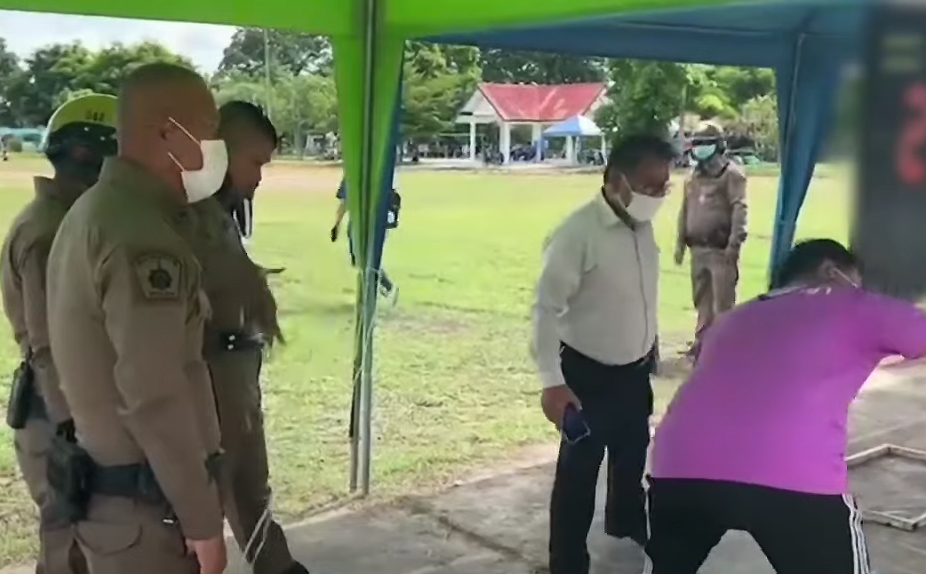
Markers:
point(297, 568)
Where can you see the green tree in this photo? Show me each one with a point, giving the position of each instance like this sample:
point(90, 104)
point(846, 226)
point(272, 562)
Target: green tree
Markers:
point(54, 72)
point(296, 52)
point(299, 105)
point(437, 81)
point(430, 104)
point(759, 122)
point(740, 85)
point(109, 67)
point(506, 66)
point(9, 69)
point(705, 96)
point(643, 96)
point(48, 72)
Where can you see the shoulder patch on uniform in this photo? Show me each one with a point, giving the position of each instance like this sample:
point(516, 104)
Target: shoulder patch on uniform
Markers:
point(159, 276)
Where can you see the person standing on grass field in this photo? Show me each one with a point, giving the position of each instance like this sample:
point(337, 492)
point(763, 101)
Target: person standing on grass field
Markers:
point(755, 439)
point(386, 287)
point(243, 320)
point(594, 344)
point(126, 309)
point(80, 134)
point(712, 225)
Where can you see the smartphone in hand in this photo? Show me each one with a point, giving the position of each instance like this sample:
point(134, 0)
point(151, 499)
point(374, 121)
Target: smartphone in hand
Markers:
point(574, 428)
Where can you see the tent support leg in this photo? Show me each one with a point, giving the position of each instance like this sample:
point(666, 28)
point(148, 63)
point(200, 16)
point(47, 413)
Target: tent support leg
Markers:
point(783, 233)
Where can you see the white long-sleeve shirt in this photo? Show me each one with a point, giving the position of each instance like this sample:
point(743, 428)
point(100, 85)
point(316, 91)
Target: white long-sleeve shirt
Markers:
point(596, 291)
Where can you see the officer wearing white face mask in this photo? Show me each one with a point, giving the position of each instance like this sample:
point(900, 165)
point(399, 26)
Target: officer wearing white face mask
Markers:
point(126, 309)
point(594, 338)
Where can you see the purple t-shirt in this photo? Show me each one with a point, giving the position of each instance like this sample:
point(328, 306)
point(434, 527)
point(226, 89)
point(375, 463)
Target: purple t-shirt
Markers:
point(767, 402)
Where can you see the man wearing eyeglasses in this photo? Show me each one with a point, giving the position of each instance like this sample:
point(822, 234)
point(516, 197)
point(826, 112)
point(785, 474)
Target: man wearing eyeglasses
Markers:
point(594, 344)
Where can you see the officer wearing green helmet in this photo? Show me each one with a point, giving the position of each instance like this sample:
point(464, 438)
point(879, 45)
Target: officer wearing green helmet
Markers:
point(80, 134)
point(712, 226)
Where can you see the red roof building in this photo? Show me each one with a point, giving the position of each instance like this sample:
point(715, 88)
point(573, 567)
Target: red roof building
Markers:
point(532, 104)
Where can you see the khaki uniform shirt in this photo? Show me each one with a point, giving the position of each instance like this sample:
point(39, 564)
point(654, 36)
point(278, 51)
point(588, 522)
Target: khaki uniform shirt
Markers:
point(126, 310)
point(22, 281)
point(713, 210)
point(236, 286)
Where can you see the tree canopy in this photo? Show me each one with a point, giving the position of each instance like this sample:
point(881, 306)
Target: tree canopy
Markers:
point(297, 88)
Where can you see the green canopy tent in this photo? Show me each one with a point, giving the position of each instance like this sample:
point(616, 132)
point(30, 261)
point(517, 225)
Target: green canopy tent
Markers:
point(368, 38)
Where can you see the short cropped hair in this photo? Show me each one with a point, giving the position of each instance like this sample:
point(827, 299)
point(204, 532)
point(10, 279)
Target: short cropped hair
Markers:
point(628, 152)
point(806, 258)
point(239, 111)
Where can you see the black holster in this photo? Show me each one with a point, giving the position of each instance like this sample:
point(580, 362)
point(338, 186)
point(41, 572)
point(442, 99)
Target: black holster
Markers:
point(24, 402)
point(70, 470)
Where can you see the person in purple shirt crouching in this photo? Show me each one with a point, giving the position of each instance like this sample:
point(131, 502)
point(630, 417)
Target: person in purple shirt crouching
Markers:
point(755, 439)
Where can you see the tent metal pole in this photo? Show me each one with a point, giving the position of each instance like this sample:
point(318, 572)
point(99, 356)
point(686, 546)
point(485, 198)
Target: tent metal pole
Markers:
point(369, 280)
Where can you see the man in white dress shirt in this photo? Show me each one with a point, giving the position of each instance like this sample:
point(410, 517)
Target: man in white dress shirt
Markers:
point(594, 343)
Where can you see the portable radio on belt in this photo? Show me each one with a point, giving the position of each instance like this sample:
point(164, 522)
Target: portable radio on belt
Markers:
point(22, 395)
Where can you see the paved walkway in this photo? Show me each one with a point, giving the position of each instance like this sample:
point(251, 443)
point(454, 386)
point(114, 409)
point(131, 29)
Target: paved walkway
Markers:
point(498, 525)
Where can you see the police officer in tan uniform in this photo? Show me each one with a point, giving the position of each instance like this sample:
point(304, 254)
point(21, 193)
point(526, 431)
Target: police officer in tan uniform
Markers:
point(243, 319)
point(712, 224)
point(79, 135)
point(126, 310)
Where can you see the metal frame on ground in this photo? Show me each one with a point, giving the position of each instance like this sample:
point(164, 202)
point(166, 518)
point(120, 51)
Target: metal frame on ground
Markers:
point(888, 518)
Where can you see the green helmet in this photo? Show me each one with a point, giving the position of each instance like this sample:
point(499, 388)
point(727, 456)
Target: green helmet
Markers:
point(88, 121)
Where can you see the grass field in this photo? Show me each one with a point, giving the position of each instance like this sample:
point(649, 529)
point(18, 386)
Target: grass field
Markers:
point(455, 390)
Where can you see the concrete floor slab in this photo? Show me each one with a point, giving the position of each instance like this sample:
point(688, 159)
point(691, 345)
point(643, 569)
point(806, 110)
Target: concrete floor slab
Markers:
point(499, 525)
point(389, 540)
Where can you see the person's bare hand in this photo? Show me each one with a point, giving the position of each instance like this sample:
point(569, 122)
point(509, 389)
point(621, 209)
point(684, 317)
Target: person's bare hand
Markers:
point(210, 554)
point(553, 400)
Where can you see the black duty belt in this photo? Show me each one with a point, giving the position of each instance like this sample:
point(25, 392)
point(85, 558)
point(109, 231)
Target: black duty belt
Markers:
point(240, 341)
point(135, 481)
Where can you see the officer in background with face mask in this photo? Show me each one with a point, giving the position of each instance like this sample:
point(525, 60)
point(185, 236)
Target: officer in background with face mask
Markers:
point(594, 339)
point(712, 224)
point(79, 135)
point(126, 308)
point(244, 320)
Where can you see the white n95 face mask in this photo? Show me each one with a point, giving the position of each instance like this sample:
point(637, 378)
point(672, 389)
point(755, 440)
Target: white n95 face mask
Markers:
point(642, 208)
point(202, 183)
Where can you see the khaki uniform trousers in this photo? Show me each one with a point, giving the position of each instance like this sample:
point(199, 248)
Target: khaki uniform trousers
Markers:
point(713, 284)
point(245, 470)
point(122, 536)
point(58, 550)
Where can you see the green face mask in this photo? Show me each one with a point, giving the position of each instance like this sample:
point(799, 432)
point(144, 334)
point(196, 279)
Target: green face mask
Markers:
point(703, 152)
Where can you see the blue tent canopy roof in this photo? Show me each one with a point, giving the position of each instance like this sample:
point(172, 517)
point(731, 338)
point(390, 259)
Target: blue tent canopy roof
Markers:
point(748, 34)
point(576, 126)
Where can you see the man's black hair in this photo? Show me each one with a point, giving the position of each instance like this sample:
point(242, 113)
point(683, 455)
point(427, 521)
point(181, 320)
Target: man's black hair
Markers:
point(807, 256)
point(240, 110)
point(628, 152)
